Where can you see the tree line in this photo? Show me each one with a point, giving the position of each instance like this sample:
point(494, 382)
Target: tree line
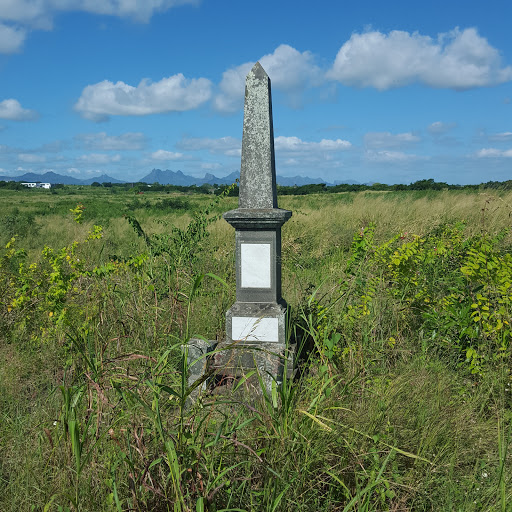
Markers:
point(311, 188)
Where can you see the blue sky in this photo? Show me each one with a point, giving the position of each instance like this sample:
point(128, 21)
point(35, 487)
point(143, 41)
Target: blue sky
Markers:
point(379, 91)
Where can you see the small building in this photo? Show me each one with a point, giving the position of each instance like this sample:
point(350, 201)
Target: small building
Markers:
point(37, 185)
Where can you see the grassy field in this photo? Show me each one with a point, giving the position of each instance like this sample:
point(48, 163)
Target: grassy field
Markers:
point(401, 303)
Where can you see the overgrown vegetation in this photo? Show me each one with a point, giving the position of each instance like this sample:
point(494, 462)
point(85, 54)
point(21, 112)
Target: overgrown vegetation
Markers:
point(401, 302)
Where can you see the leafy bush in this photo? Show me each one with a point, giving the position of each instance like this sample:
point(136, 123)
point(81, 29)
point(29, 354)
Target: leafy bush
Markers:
point(172, 203)
point(454, 290)
point(18, 224)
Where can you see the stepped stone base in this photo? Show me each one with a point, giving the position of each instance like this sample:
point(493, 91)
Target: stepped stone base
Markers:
point(237, 359)
point(226, 363)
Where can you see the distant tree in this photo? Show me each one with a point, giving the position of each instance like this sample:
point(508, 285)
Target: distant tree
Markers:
point(283, 190)
point(379, 186)
point(311, 188)
point(503, 185)
point(206, 188)
point(429, 184)
point(12, 185)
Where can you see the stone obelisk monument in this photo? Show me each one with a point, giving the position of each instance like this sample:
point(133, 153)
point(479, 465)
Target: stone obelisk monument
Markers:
point(256, 323)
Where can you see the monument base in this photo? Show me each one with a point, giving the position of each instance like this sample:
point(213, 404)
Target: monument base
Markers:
point(215, 368)
point(273, 361)
point(255, 340)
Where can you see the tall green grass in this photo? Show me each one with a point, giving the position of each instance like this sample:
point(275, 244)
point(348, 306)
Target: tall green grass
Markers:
point(385, 412)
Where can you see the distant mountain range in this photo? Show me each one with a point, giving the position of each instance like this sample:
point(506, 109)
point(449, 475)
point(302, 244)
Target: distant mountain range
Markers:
point(164, 178)
point(178, 178)
point(54, 178)
point(184, 180)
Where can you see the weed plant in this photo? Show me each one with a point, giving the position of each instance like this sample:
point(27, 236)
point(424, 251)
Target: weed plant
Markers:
point(401, 303)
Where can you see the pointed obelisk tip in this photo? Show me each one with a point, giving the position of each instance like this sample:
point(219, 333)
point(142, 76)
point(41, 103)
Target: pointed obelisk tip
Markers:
point(258, 71)
point(257, 170)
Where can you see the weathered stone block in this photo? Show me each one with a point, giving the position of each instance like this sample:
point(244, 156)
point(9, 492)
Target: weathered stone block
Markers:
point(270, 359)
point(197, 353)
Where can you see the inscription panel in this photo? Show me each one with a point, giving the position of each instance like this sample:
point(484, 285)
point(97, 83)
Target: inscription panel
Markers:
point(255, 266)
point(246, 328)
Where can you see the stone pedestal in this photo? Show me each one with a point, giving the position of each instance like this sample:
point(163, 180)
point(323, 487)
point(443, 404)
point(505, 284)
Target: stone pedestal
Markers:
point(259, 313)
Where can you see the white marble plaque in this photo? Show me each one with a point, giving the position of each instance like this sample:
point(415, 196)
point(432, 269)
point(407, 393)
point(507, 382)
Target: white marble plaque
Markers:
point(247, 328)
point(255, 265)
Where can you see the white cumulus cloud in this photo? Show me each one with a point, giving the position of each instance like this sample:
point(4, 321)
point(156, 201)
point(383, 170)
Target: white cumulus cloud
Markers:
point(438, 127)
point(389, 140)
point(37, 13)
point(210, 166)
point(99, 158)
point(162, 154)
point(459, 59)
point(12, 110)
point(17, 17)
point(297, 153)
point(289, 70)
point(103, 142)
point(140, 10)
point(494, 153)
point(11, 38)
point(229, 146)
point(296, 145)
point(501, 137)
point(175, 93)
point(386, 156)
point(40, 13)
point(31, 158)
